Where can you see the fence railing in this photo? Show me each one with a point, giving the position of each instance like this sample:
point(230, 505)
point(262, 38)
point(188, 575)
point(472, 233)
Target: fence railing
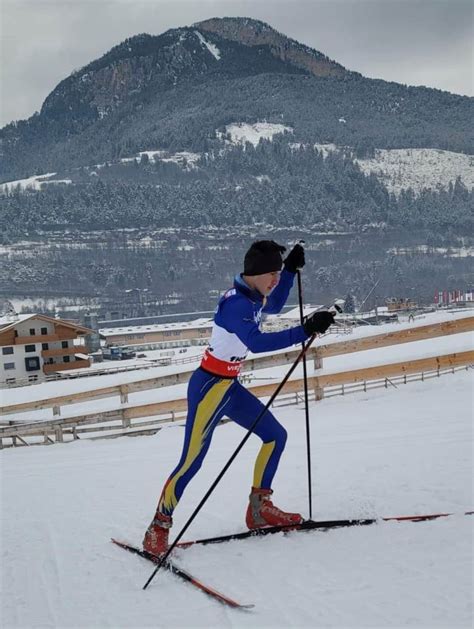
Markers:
point(317, 353)
point(123, 423)
point(367, 385)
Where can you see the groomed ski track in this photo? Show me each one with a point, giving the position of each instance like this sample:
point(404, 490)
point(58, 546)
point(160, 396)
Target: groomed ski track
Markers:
point(381, 453)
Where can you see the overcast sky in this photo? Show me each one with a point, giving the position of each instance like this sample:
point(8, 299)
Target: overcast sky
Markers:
point(418, 42)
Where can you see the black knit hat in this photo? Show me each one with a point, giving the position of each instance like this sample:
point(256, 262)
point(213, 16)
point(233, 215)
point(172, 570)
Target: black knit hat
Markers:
point(264, 256)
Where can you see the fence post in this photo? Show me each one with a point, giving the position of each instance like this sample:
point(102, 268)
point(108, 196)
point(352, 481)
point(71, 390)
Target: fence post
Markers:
point(318, 390)
point(318, 361)
point(125, 420)
point(59, 434)
point(123, 395)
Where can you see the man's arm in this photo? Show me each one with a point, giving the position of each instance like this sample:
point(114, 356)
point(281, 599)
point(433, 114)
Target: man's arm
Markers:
point(277, 298)
point(237, 317)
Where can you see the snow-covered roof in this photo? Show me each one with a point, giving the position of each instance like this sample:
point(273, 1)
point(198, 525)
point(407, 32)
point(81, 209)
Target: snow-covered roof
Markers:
point(13, 319)
point(295, 312)
point(158, 327)
point(9, 322)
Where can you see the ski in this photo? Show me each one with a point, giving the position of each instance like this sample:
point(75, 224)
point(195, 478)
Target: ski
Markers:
point(310, 525)
point(183, 574)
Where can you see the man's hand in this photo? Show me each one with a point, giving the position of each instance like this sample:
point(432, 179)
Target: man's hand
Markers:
point(295, 259)
point(318, 322)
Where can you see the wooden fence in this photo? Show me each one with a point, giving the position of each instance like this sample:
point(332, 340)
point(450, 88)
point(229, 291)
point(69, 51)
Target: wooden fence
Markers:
point(317, 354)
point(124, 420)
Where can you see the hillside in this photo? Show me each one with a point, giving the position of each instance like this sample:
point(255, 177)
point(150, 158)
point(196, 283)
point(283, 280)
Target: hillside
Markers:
point(173, 90)
point(229, 130)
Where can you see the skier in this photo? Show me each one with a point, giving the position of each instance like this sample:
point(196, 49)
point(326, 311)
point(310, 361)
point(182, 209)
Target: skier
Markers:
point(214, 389)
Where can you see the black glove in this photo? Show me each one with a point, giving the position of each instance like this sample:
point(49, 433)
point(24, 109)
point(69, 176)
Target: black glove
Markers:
point(318, 322)
point(295, 259)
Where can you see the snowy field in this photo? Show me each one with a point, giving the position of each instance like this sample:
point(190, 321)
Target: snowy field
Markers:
point(382, 453)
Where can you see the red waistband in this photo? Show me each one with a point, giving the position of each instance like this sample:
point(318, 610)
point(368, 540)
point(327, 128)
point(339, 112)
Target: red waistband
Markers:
point(220, 367)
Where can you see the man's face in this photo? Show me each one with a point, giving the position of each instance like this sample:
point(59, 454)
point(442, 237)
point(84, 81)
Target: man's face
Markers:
point(266, 282)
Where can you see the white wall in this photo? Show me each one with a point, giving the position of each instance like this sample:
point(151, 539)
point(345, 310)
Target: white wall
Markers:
point(19, 354)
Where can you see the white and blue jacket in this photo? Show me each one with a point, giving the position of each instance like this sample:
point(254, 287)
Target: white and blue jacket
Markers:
point(236, 328)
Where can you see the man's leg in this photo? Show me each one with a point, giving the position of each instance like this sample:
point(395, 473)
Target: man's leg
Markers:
point(207, 400)
point(244, 409)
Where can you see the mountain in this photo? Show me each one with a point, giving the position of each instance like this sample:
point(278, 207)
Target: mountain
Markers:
point(256, 33)
point(174, 90)
point(227, 130)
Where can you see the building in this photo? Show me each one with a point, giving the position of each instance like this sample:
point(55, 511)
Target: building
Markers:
point(159, 336)
point(179, 334)
point(454, 298)
point(33, 346)
point(396, 304)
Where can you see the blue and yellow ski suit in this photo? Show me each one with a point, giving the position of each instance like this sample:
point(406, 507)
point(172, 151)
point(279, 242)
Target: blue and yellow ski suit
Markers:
point(214, 390)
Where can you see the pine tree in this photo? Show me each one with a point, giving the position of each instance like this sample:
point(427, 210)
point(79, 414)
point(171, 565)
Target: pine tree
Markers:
point(349, 303)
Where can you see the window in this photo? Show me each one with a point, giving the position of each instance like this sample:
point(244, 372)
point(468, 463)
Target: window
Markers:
point(44, 346)
point(49, 361)
point(44, 330)
point(7, 350)
point(32, 331)
point(30, 348)
point(32, 378)
point(9, 366)
point(10, 380)
point(32, 363)
point(66, 359)
point(64, 344)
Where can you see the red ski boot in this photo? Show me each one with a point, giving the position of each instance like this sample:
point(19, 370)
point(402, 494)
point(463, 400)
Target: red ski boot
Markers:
point(261, 511)
point(156, 536)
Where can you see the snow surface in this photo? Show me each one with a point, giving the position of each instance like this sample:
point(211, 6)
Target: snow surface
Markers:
point(181, 158)
point(241, 132)
point(447, 252)
point(382, 453)
point(213, 49)
point(415, 168)
point(400, 169)
point(32, 183)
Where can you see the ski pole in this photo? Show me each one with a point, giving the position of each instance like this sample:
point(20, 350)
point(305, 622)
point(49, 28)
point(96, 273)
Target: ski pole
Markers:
point(231, 459)
point(306, 404)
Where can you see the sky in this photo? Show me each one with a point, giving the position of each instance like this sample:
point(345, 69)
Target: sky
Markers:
point(416, 42)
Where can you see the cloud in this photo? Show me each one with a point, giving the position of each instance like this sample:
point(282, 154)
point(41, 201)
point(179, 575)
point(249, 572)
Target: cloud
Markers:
point(427, 42)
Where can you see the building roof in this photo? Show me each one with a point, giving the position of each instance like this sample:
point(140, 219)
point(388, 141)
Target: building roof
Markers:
point(158, 327)
point(294, 314)
point(7, 322)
